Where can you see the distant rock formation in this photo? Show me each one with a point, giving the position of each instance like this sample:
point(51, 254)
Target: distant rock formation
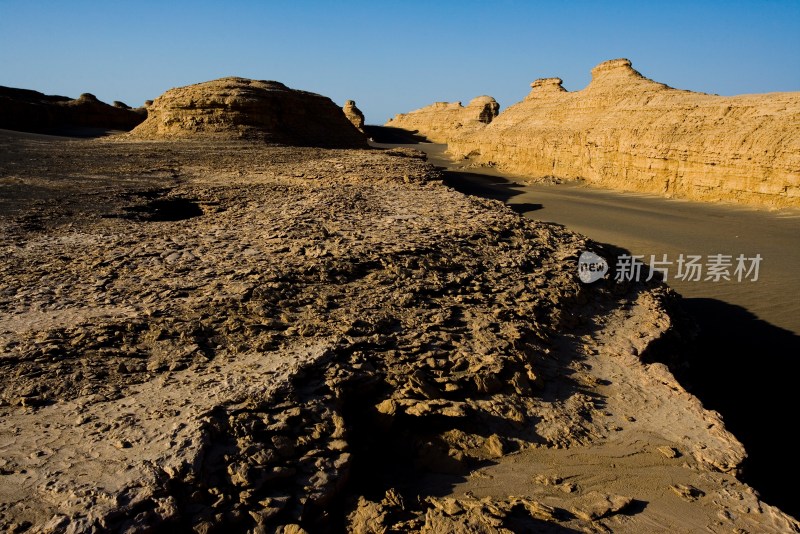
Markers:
point(442, 120)
point(354, 114)
point(31, 111)
point(250, 109)
point(630, 133)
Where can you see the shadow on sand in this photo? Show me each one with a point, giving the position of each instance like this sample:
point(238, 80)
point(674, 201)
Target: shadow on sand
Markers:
point(487, 186)
point(389, 135)
point(737, 364)
point(747, 370)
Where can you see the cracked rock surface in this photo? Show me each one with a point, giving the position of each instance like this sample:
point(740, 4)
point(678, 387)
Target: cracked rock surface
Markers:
point(218, 336)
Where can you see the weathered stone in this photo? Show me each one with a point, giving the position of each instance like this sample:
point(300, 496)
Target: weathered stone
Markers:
point(595, 505)
point(31, 111)
point(354, 114)
point(442, 120)
point(624, 131)
point(254, 109)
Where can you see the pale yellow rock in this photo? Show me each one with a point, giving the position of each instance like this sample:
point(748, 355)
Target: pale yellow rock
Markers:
point(234, 108)
point(627, 132)
point(442, 120)
point(353, 114)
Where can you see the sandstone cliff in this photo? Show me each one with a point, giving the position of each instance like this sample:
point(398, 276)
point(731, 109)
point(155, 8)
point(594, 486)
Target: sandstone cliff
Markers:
point(440, 121)
point(353, 114)
point(31, 111)
point(627, 132)
point(253, 109)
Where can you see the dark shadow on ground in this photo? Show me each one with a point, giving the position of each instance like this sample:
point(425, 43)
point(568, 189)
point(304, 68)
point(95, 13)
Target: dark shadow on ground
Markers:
point(747, 370)
point(741, 366)
point(387, 134)
point(483, 185)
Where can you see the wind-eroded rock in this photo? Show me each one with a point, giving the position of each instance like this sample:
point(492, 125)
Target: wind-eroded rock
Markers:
point(442, 120)
point(628, 132)
point(254, 109)
point(354, 114)
point(30, 111)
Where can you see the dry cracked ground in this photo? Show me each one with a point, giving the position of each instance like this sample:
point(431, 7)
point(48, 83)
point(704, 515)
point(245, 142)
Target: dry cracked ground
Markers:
point(234, 337)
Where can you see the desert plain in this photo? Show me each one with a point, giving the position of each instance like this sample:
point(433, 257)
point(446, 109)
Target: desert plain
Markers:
point(242, 316)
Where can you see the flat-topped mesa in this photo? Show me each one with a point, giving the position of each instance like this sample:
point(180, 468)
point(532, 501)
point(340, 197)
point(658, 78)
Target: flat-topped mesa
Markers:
point(240, 108)
point(627, 132)
point(543, 86)
point(618, 75)
point(615, 67)
point(353, 114)
point(441, 120)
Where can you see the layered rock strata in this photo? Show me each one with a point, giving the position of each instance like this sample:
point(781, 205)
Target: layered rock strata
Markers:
point(239, 108)
point(354, 114)
point(627, 132)
point(442, 120)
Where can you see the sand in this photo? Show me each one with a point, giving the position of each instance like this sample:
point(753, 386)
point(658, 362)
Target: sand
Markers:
point(744, 356)
point(229, 336)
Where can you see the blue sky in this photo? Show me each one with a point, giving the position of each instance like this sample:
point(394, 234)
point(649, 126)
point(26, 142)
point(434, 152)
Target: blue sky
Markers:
point(393, 57)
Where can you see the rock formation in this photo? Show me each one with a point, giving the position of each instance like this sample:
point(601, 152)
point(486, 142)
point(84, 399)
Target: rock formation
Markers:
point(354, 114)
point(314, 342)
point(627, 132)
point(442, 120)
point(252, 109)
point(31, 111)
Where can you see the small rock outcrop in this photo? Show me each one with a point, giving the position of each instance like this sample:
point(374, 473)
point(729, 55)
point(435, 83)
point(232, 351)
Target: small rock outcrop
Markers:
point(627, 132)
point(231, 108)
point(442, 120)
point(31, 111)
point(354, 114)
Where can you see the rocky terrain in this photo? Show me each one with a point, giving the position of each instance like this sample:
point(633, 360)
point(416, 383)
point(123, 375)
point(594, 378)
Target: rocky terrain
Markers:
point(30, 111)
point(627, 132)
point(442, 120)
point(249, 109)
point(226, 336)
point(354, 114)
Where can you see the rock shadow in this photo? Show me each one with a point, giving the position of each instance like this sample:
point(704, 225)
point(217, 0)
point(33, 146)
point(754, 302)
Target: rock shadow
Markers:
point(746, 369)
point(487, 186)
point(158, 207)
point(389, 135)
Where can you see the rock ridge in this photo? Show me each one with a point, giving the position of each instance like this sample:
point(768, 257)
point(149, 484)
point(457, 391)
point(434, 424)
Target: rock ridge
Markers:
point(31, 111)
point(627, 132)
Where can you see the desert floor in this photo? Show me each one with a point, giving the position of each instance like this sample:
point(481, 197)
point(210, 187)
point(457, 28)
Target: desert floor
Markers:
point(747, 348)
point(233, 337)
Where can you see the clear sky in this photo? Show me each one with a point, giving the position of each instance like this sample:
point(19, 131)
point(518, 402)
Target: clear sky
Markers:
point(392, 57)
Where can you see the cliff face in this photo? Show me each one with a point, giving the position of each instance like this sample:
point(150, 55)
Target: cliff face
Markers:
point(627, 132)
point(443, 120)
point(241, 108)
point(31, 111)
